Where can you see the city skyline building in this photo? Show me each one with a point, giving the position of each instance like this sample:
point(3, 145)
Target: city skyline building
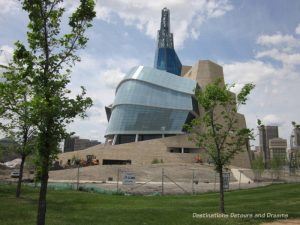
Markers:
point(295, 138)
point(278, 148)
point(265, 134)
point(294, 151)
point(75, 143)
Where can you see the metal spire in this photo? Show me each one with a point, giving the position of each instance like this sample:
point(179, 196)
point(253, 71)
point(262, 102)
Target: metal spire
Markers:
point(165, 38)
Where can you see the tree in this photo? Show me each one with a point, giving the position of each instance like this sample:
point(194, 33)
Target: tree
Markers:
point(15, 96)
point(277, 164)
point(52, 55)
point(295, 125)
point(216, 130)
point(258, 167)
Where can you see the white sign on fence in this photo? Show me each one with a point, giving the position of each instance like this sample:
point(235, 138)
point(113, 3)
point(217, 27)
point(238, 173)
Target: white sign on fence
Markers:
point(226, 179)
point(128, 178)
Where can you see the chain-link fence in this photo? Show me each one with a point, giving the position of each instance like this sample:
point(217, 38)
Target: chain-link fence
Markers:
point(161, 179)
point(165, 179)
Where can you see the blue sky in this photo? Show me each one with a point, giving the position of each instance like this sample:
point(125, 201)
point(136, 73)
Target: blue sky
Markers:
point(254, 40)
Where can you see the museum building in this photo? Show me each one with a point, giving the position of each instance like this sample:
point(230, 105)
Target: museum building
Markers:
point(153, 102)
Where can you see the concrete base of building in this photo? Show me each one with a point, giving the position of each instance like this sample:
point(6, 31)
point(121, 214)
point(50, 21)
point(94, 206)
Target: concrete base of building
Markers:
point(175, 149)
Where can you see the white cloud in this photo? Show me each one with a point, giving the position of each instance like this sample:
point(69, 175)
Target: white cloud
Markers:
point(9, 7)
point(277, 39)
point(121, 62)
point(297, 30)
point(186, 18)
point(218, 8)
point(283, 57)
point(272, 120)
point(112, 77)
point(6, 53)
point(103, 13)
point(237, 88)
point(252, 71)
point(100, 77)
point(274, 98)
point(195, 34)
point(282, 48)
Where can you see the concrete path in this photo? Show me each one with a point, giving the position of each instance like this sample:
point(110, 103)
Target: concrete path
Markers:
point(240, 175)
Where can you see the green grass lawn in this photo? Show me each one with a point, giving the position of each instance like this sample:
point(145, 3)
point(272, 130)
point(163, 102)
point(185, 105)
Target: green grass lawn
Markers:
point(72, 208)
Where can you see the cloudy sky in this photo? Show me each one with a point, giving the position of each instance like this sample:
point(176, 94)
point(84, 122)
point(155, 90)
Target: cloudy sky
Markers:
point(254, 40)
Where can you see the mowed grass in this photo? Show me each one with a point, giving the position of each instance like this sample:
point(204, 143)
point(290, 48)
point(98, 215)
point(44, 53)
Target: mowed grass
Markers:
point(81, 208)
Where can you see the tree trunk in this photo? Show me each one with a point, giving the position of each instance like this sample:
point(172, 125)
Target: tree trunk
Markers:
point(18, 192)
point(222, 209)
point(43, 191)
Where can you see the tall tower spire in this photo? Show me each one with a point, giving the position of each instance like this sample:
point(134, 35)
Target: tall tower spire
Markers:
point(165, 38)
point(165, 56)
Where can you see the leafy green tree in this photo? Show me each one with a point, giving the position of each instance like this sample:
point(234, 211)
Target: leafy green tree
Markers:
point(216, 130)
point(52, 55)
point(295, 125)
point(294, 162)
point(15, 95)
point(258, 167)
point(277, 164)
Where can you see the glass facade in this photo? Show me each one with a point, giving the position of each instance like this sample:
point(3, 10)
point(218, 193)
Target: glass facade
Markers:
point(138, 119)
point(142, 93)
point(160, 78)
point(150, 102)
point(167, 59)
point(165, 56)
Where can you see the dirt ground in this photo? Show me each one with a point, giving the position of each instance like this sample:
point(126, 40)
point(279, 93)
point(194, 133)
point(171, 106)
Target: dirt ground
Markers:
point(150, 179)
point(177, 172)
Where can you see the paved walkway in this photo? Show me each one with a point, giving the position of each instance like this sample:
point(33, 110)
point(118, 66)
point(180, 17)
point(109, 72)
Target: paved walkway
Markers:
point(240, 175)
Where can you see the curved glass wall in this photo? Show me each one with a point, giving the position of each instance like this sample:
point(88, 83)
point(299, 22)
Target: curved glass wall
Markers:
point(141, 93)
point(149, 101)
point(160, 78)
point(138, 119)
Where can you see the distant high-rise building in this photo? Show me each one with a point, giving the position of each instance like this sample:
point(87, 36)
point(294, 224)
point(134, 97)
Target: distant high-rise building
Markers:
point(165, 57)
point(265, 134)
point(294, 152)
point(295, 138)
point(255, 153)
point(74, 143)
point(277, 147)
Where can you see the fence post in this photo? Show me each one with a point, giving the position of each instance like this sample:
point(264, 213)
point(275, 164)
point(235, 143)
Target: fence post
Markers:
point(215, 181)
point(118, 174)
point(193, 180)
point(240, 179)
point(77, 177)
point(162, 181)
